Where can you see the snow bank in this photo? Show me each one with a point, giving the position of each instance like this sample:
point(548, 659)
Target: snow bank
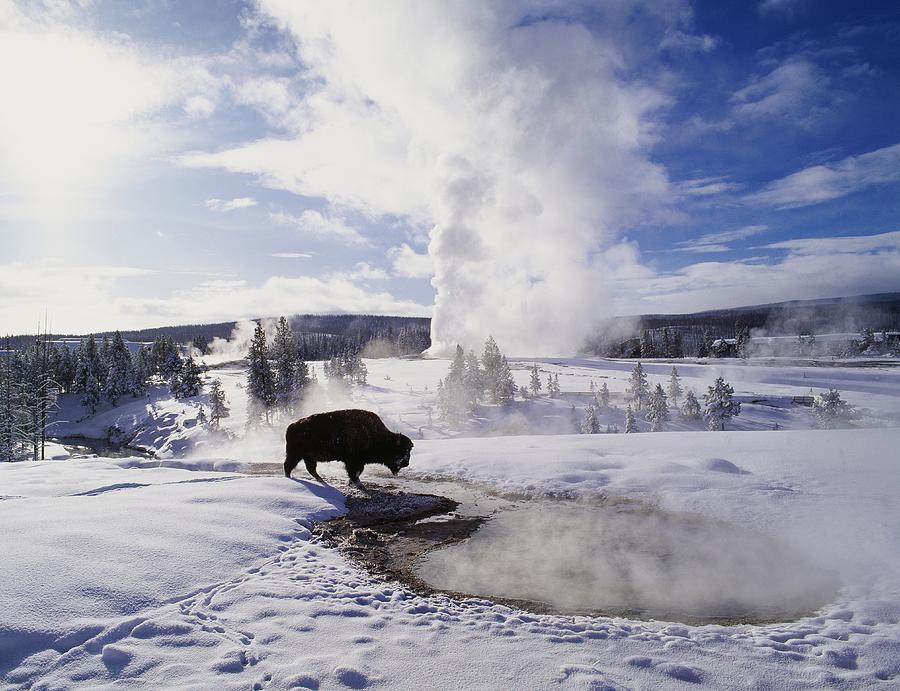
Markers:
point(86, 541)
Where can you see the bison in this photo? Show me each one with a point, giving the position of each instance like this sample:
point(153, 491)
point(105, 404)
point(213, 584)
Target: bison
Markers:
point(355, 437)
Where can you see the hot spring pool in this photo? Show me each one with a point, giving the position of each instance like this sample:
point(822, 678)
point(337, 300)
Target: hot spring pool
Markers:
point(633, 561)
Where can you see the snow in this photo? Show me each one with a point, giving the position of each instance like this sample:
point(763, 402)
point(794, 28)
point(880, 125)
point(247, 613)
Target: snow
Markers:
point(184, 572)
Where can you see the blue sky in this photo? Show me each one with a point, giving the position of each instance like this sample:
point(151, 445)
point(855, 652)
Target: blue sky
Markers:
point(173, 162)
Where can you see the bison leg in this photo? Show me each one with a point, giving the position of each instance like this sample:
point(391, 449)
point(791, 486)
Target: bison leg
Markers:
point(353, 474)
point(289, 465)
point(311, 469)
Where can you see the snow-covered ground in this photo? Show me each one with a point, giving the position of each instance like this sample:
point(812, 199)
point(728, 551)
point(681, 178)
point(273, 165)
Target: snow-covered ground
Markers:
point(187, 573)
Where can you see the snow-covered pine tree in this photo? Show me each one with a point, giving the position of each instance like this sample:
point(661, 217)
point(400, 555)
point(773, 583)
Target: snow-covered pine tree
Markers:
point(658, 413)
point(187, 382)
point(666, 343)
point(573, 418)
point(691, 406)
point(648, 348)
point(473, 380)
point(284, 355)
point(218, 406)
point(120, 377)
point(719, 406)
point(87, 373)
point(638, 389)
point(491, 361)
point(457, 371)
point(143, 370)
point(630, 422)
point(506, 385)
point(603, 397)
point(7, 407)
point(831, 411)
point(171, 366)
point(201, 416)
point(535, 380)
point(590, 424)
point(524, 393)
point(62, 367)
point(260, 379)
point(553, 385)
point(674, 389)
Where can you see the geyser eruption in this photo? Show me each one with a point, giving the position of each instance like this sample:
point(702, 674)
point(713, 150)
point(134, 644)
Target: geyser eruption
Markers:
point(514, 134)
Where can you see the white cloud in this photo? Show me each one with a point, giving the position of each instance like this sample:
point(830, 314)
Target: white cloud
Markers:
point(225, 300)
point(719, 242)
point(363, 271)
point(315, 223)
point(525, 144)
point(96, 298)
point(223, 205)
point(821, 183)
point(847, 244)
point(797, 92)
point(291, 255)
point(785, 8)
point(408, 263)
point(689, 43)
point(199, 106)
point(704, 187)
point(811, 268)
point(77, 106)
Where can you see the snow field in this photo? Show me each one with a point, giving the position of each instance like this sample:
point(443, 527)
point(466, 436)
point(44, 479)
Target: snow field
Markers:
point(164, 573)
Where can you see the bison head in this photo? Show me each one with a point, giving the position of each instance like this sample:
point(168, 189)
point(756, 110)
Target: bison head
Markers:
point(402, 448)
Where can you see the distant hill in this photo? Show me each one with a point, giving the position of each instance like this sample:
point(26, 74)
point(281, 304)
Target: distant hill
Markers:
point(355, 328)
point(841, 314)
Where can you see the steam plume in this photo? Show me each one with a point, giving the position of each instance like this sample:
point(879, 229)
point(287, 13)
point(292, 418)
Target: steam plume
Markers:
point(507, 129)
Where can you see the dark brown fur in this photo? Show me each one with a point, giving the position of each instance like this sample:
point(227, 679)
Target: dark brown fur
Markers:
point(354, 437)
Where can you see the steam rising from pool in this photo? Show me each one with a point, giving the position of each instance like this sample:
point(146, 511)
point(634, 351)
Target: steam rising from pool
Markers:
point(631, 561)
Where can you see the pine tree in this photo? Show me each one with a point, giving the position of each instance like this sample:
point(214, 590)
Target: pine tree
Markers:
point(260, 379)
point(457, 371)
point(7, 407)
point(678, 345)
point(658, 413)
point(705, 348)
point(506, 385)
point(473, 380)
point(590, 424)
point(573, 418)
point(603, 396)
point(87, 373)
point(553, 385)
point(691, 407)
point(120, 375)
point(630, 423)
point(218, 406)
point(284, 354)
point(666, 343)
point(675, 389)
point(648, 349)
point(535, 380)
point(718, 405)
point(143, 370)
point(187, 382)
point(831, 411)
point(201, 416)
point(638, 390)
point(492, 362)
